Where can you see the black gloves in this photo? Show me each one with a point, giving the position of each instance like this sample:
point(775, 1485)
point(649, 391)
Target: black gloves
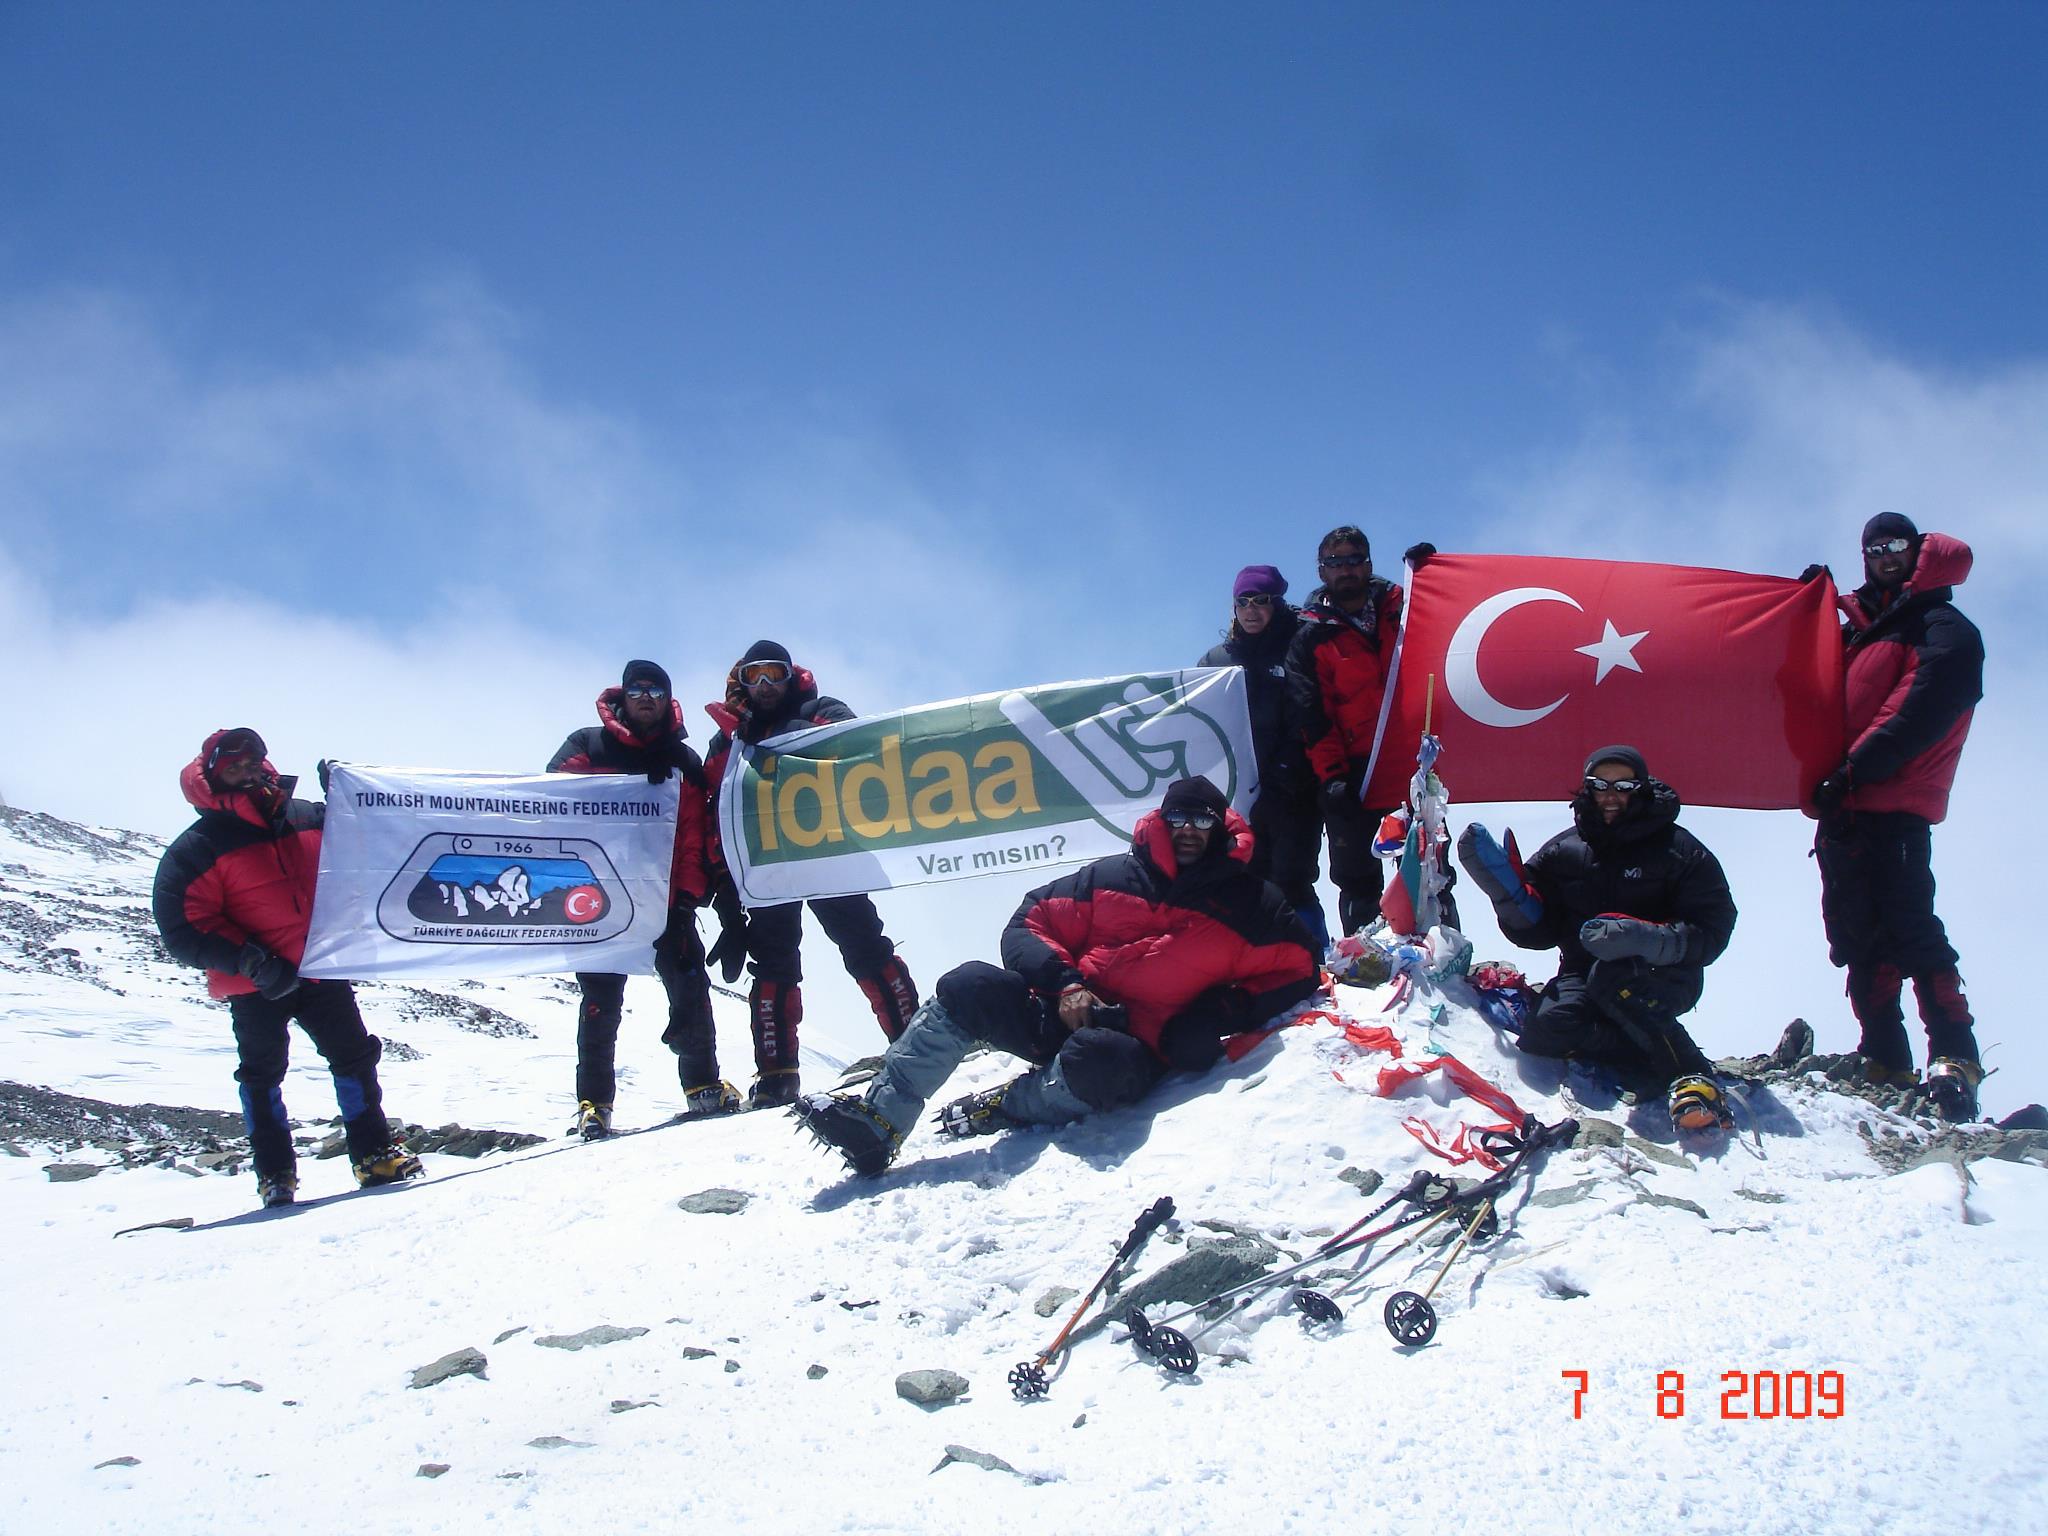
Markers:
point(730, 952)
point(1613, 937)
point(323, 771)
point(1417, 555)
point(1816, 570)
point(1340, 796)
point(274, 976)
point(1830, 792)
point(659, 775)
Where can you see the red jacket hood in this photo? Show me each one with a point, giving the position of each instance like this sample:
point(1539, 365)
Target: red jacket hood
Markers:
point(1154, 839)
point(202, 796)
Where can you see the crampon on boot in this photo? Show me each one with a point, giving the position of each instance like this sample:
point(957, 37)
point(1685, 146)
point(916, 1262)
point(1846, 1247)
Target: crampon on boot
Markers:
point(275, 1189)
point(1951, 1088)
point(892, 994)
point(719, 1098)
point(844, 1123)
point(977, 1114)
point(394, 1165)
point(593, 1122)
point(1698, 1107)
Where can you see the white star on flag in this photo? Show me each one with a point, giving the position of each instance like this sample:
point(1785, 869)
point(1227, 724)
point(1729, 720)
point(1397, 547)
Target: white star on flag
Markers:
point(1612, 650)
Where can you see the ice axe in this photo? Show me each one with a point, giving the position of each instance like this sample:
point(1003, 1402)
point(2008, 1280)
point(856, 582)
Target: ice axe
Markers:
point(1028, 1380)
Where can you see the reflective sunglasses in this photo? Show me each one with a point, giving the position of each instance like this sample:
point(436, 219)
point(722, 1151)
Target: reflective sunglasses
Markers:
point(1619, 786)
point(763, 672)
point(1201, 821)
point(1887, 547)
point(1343, 562)
point(1256, 600)
point(645, 691)
point(236, 746)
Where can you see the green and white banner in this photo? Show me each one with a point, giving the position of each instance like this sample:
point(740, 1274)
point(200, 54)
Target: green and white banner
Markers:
point(1024, 780)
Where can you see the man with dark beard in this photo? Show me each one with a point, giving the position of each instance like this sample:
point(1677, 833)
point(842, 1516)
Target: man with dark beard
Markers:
point(1637, 909)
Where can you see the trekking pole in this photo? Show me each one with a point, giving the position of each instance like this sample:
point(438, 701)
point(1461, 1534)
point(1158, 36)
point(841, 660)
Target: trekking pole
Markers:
point(1028, 1380)
point(1321, 1306)
point(1409, 1317)
point(1175, 1351)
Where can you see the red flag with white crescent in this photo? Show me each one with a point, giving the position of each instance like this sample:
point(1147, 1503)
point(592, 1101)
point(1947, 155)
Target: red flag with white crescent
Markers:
point(1729, 684)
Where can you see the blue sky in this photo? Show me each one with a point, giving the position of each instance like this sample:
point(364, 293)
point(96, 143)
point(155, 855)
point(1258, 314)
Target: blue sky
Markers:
point(386, 374)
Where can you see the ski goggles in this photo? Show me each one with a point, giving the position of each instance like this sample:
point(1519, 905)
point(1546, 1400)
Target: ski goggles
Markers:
point(1256, 600)
point(1201, 821)
point(645, 691)
point(237, 746)
point(1887, 547)
point(1618, 786)
point(752, 672)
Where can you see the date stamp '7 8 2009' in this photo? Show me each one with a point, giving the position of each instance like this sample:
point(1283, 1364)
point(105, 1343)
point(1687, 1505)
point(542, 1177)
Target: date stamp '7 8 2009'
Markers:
point(1744, 1394)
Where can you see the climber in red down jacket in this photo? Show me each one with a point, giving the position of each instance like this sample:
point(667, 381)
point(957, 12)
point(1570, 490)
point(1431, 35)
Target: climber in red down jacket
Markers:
point(234, 896)
point(1916, 672)
point(1112, 976)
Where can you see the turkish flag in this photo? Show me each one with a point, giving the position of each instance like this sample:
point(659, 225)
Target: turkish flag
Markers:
point(1730, 685)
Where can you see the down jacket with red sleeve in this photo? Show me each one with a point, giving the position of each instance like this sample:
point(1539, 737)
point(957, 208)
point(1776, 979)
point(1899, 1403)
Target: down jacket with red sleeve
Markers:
point(612, 746)
point(242, 873)
point(1168, 944)
point(1337, 675)
point(1916, 672)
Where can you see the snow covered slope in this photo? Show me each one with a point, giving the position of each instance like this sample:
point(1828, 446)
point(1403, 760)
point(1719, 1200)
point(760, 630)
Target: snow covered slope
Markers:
point(254, 1374)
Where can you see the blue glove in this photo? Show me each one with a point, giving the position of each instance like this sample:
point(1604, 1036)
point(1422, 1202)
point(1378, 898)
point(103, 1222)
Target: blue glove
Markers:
point(1494, 873)
point(1612, 936)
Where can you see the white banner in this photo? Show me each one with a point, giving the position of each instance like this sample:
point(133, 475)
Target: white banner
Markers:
point(996, 784)
point(427, 873)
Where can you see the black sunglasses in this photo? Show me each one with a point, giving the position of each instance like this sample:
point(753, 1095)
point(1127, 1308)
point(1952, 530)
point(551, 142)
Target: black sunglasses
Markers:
point(1201, 821)
point(1887, 547)
point(1619, 786)
point(645, 691)
point(1343, 562)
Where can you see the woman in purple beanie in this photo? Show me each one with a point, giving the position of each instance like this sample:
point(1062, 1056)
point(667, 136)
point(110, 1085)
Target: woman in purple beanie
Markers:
point(1285, 824)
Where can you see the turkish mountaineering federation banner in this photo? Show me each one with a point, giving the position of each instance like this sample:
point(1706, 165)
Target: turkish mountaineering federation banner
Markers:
point(469, 874)
point(1004, 781)
point(1729, 684)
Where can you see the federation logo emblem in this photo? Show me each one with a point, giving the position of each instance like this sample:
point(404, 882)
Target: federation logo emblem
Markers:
point(462, 888)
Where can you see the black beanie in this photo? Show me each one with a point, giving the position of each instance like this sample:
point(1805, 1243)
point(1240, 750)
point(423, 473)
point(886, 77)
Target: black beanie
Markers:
point(1890, 525)
point(1627, 755)
point(645, 672)
point(767, 650)
point(1196, 793)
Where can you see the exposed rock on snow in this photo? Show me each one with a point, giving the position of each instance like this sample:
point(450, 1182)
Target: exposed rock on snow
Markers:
point(72, 1173)
point(714, 1202)
point(1053, 1300)
point(463, 1362)
point(930, 1389)
point(961, 1455)
point(589, 1338)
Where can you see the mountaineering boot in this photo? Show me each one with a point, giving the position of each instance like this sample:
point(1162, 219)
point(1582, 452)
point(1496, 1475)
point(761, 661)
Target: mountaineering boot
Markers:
point(593, 1122)
point(892, 994)
point(844, 1123)
point(393, 1165)
point(772, 1090)
point(1875, 1074)
point(977, 1114)
point(277, 1188)
point(1951, 1088)
point(1794, 1046)
point(1698, 1106)
point(719, 1098)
